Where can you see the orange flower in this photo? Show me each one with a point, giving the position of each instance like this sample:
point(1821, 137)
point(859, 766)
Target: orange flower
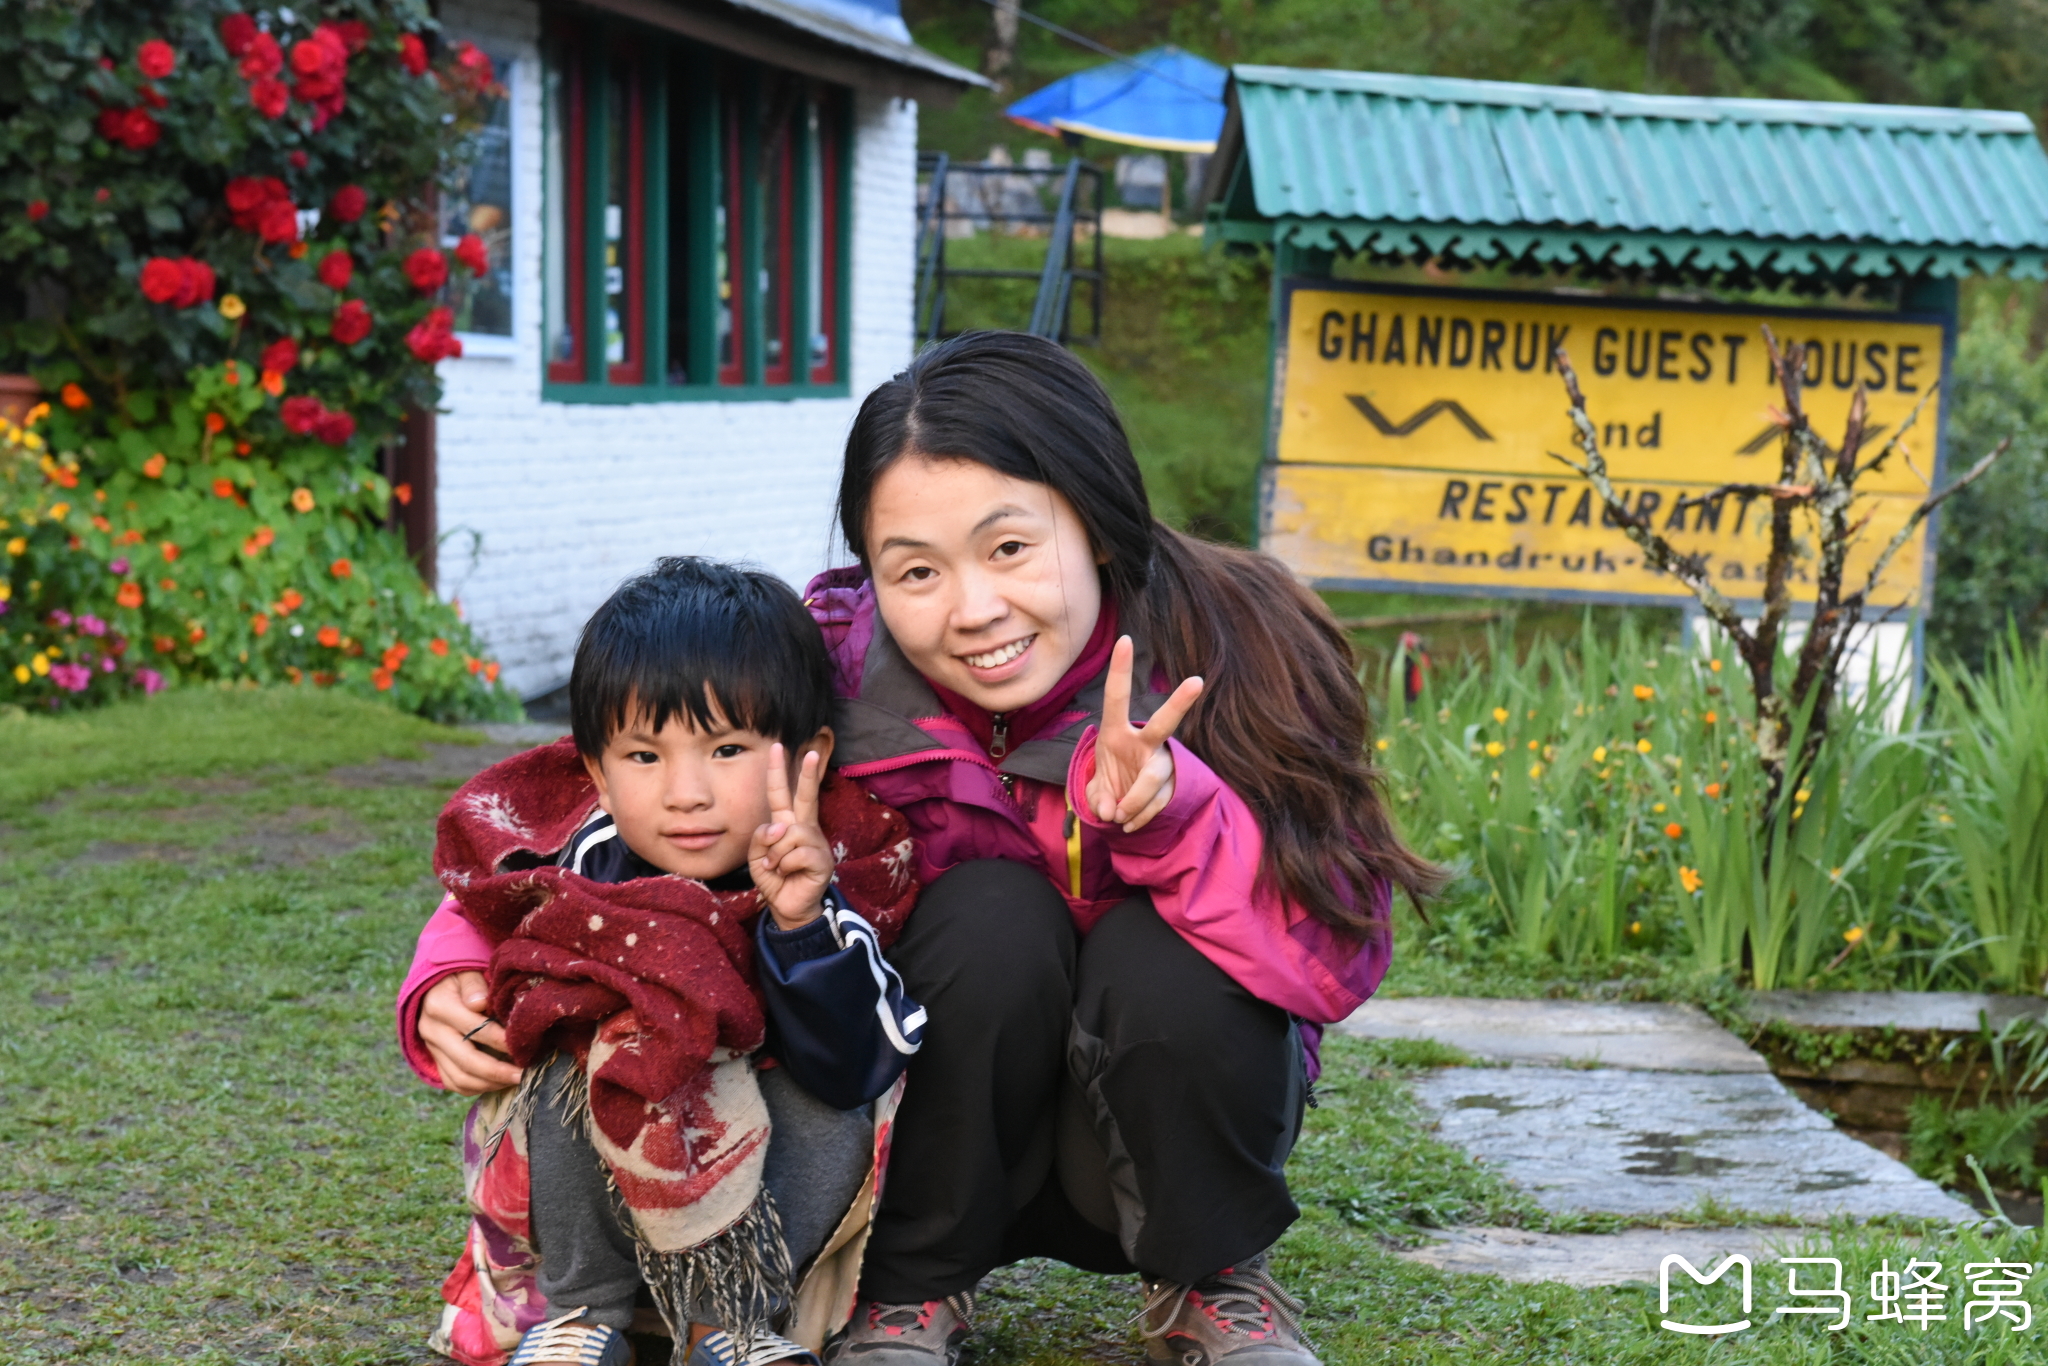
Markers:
point(129, 595)
point(291, 599)
point(298, 251)
point(171, 551)
point(259, 623)
point(131, 536)
point(64, 477)
point(252, 547)
point(153, 468)
point(196, 634)
point(215, 424)
point(223, 488)
point(74, 398)
point(100, 523)
point(1713, 789)
point(273, 383)
point(168, 585)
point(328, 636)
point(382, 678)
point(323, 679)
point(1711, 717)
point(403, 493)
point(302, 500)
point(1674, 830)
point(232, 373)
point(165, 644)
point(438, 646)
point(341, 569)
point(476, 666)
point(264, 536)
point(242, 448)
point(396, 655)
point(1644, 692)
point(491, 672)
point(291, 671)
point(1690, 879)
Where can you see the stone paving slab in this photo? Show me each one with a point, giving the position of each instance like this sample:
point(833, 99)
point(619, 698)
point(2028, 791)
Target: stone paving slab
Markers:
point(1949, 1011)
point(1594, 1258)
point(1657, 1143)
point(1648, 1036)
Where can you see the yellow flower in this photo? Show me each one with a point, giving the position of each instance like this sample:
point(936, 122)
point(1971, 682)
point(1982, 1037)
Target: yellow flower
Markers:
point(1644, 692)
point(1500, 714)
point(1635, 927)
point(1714, 664)
point(1380, 743)
point(18, 546)
point(1834, 875)
point(1534, 746)
point(1494, 748)
point(1644, 746)
point(40, 665)
point(21, 673)
point(59, 511)
point(232, 307)
point(1535, 770)
point(1690, 879)
point(1658, 808)
point(1854, 934)
point(1599, 754)
point(1801, 795)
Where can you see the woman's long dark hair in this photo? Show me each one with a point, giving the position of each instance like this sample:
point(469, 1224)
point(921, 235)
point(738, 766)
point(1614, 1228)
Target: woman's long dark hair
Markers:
point(1282, 719)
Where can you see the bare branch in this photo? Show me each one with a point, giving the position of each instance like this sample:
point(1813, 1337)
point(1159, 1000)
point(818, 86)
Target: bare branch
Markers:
point(1876, 462)
point(1933, 501)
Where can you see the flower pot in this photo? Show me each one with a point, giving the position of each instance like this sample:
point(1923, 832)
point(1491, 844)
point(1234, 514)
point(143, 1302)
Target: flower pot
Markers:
point(18, 393)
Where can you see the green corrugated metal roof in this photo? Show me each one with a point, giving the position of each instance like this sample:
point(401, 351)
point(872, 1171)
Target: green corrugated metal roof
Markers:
point(1491, 170)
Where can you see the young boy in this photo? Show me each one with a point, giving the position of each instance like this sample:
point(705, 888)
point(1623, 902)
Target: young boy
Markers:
point(612, 883)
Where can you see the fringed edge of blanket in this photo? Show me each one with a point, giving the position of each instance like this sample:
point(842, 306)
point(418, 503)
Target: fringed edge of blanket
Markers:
point(739, 1280)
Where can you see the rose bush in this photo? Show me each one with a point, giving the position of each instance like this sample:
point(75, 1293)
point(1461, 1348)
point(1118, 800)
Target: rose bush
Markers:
point(214, 233)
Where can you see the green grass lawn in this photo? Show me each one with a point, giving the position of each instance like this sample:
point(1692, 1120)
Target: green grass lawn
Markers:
point(211, 1152)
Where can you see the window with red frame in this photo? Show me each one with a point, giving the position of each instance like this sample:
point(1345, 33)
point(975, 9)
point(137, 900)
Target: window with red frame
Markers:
point(695, 221)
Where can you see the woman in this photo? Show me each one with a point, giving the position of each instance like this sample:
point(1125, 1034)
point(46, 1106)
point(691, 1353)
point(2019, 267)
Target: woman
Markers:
point(1128, 941)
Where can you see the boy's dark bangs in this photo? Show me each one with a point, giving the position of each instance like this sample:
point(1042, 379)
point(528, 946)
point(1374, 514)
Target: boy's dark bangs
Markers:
point(708, 644)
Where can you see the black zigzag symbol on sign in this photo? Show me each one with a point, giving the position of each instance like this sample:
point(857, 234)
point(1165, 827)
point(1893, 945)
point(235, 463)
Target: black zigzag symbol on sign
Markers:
point(1429, 410)
point(1774, 432)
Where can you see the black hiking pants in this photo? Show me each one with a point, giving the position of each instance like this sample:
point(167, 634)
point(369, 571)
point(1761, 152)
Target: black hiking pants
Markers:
point(1117, 1102)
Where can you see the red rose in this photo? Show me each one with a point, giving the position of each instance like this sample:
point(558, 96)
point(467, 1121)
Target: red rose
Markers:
point(351, 322)
point(280, 356)
point(354, 34)
point(412, 54)
point(155, 59)
point(237, 31)
point(162, 279)
point(301, 413)
point(323, 54)
point(109, 123)
point(262, 58)
point(348, 203)
point(336, 269)
point(271, 98)
point(152, 98)
point(298, 160)
point(472, 253)
point(427, 269)
point(433, 339)
point(279, 222)
point(474, 63)
point(138, 130)
point(335, 427)
point(38, 210)
point(198, 283)
point(250, 197)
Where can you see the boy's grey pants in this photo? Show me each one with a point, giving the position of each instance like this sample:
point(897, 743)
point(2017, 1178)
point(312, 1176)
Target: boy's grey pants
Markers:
point(817, 1158)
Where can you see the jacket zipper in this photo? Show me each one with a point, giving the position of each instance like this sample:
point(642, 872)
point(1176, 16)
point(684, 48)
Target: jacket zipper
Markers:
point(999, 738)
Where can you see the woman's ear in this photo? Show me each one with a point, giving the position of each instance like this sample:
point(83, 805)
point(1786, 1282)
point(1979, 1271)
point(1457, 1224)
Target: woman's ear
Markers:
point(822, 742)
point(595, 768)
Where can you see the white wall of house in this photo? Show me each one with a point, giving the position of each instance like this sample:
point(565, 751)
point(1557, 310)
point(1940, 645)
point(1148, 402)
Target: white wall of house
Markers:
point(545, 507)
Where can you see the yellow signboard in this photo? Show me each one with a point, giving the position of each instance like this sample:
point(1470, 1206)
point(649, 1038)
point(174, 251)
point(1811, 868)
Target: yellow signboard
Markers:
point(1413, 432)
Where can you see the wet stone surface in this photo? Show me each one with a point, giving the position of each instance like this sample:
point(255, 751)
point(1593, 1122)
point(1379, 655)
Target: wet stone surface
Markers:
point(1594, 1258)
point(1656, 1037)
point(1640, 1143)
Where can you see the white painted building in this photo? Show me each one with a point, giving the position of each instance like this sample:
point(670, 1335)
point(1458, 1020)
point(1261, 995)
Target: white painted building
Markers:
point(622, 393)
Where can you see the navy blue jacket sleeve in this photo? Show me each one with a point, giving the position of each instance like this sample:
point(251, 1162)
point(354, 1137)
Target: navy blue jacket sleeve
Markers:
point(838, 1017)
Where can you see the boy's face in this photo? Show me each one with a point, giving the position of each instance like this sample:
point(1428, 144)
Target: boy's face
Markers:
point(686, 800)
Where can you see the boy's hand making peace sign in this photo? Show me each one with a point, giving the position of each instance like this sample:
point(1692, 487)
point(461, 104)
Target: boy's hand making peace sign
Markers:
point(789, 858)
point(1133, 779)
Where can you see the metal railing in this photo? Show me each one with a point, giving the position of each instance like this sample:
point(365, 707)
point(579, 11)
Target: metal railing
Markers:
point(1018, 201)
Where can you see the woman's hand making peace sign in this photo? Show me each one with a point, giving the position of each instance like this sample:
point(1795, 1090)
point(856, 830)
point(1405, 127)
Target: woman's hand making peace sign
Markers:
point(1133, 779)
point(789, 858)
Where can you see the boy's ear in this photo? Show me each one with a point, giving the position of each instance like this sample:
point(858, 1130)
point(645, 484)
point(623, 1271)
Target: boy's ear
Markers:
point(822, 742)
point(595, 768)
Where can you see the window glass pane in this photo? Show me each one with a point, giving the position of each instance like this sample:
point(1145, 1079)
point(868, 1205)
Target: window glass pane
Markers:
point(781, 106)
point(479, 202)
point(728, 233)
point(556, 278)
point(822, 326)
point(620, 226)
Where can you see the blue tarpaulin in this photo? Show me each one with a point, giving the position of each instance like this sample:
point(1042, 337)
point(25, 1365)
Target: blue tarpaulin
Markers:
point(1164, 98)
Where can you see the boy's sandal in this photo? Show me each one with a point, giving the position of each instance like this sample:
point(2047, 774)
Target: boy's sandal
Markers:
point(717, 1348)
point(565, 1340)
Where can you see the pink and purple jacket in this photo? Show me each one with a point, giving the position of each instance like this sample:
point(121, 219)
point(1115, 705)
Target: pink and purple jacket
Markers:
point(969, 798)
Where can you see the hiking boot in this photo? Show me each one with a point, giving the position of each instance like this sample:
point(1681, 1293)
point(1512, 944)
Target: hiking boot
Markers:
point(565, 1342)
point(927, 1334)
point(1240, 1316)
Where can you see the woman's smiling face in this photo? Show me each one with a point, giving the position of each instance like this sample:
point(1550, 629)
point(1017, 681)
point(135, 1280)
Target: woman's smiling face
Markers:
point(987, 582)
